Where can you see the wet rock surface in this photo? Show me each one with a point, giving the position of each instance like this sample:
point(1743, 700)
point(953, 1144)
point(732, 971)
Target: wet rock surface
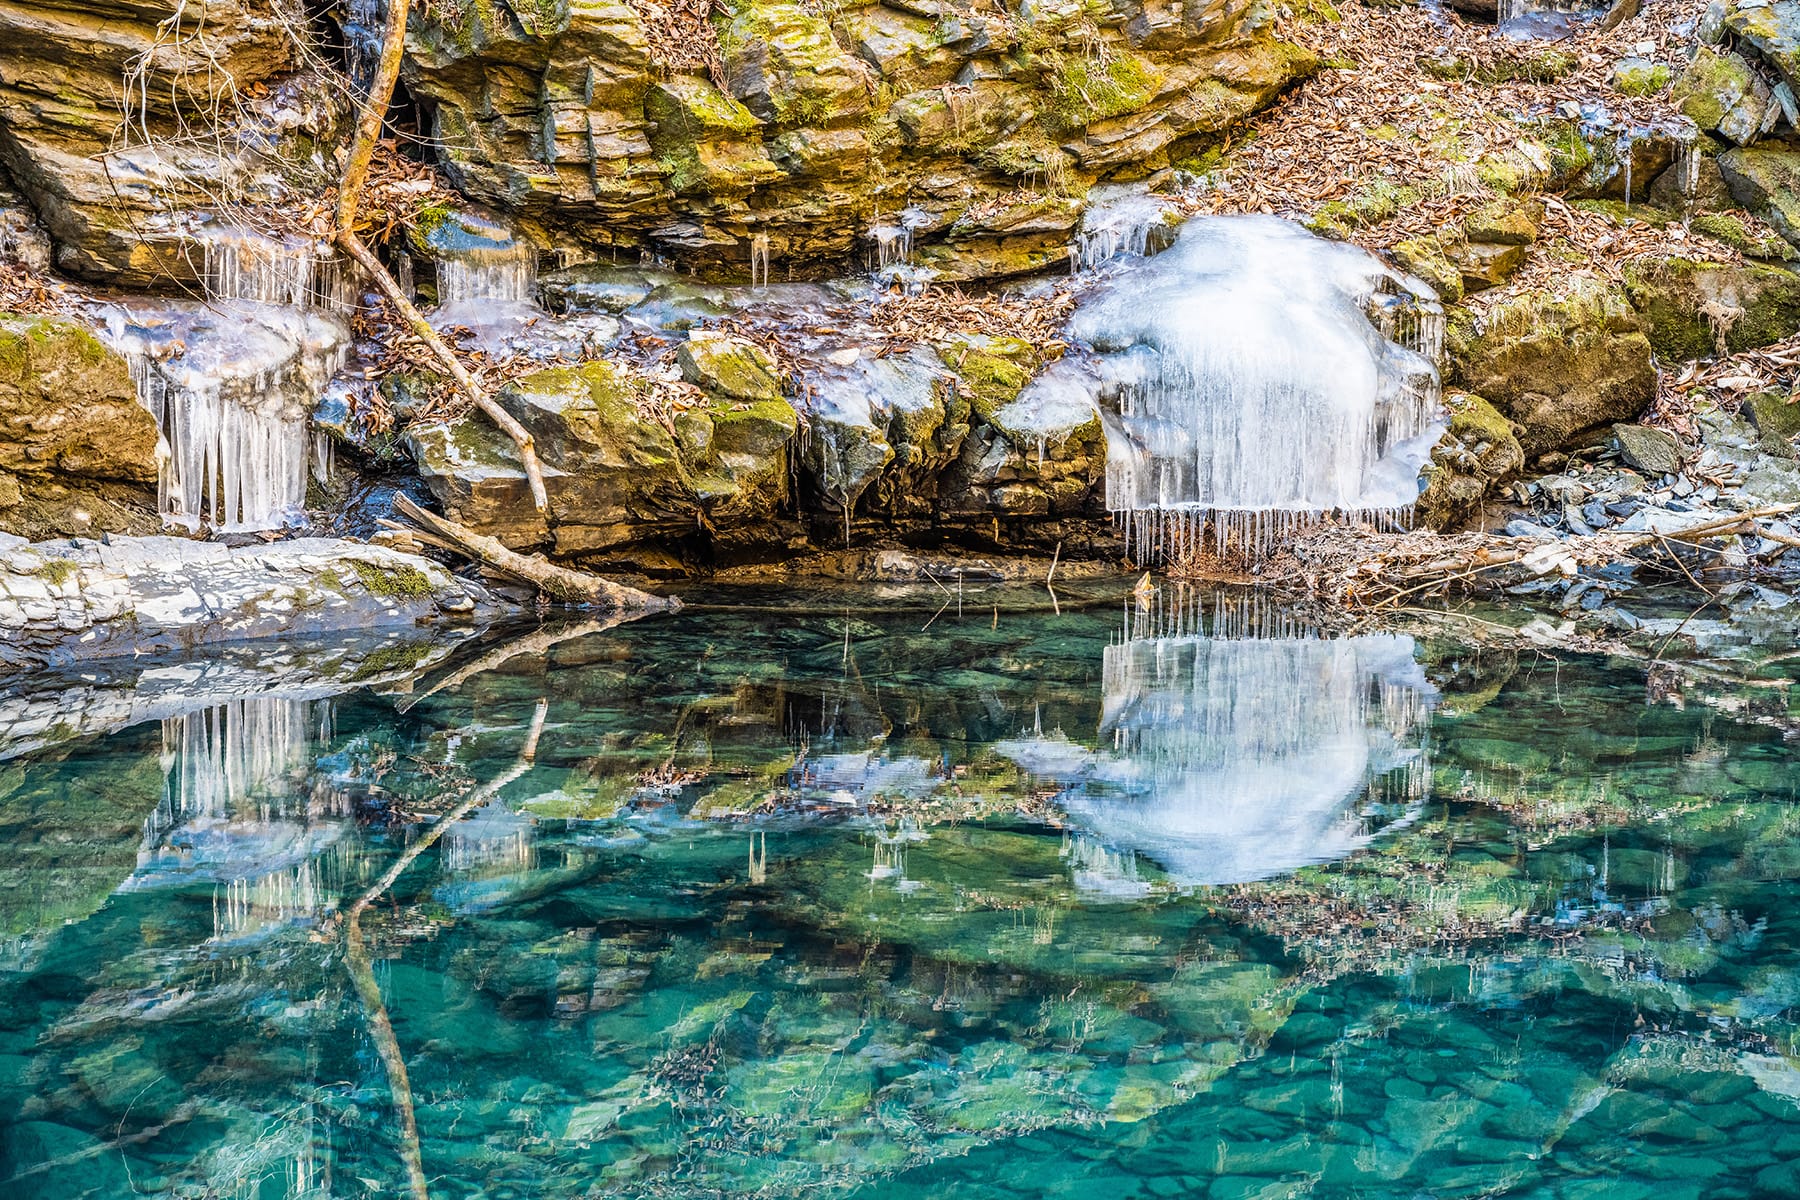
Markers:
point(93, 599)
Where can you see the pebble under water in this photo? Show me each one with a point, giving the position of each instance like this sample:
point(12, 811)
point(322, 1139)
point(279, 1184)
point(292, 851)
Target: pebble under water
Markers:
point(978, 904)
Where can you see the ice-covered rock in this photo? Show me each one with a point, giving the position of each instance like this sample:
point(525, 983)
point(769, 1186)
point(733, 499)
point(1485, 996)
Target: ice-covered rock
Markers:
point(1243, 379)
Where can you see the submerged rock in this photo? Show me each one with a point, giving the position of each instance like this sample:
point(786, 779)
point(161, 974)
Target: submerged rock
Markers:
point(79, 599)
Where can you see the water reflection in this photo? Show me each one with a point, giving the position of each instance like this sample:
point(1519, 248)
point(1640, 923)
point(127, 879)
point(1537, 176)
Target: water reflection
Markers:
point(1235, 745)
point(808, 906)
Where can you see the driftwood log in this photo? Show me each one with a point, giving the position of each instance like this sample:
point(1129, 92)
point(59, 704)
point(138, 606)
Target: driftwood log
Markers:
point(558, 583)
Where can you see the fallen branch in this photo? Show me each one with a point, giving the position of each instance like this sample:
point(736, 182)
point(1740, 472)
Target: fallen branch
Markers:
point(1539, 557)
point(350, 188)
point(558, 583)
point(537, 643)
point(362, 972)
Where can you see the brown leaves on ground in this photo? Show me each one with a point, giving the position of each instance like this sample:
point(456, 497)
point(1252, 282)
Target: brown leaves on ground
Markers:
point(681, 37)
point(28, 292)
point(1414, 101)
point(939, 314)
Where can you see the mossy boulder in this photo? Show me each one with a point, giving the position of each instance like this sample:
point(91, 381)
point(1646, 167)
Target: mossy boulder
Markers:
point(620, 467)
point(1734, 231)
point(785, 66)
point(1427, 258)
point(1695, 309)
point(1766, 181)
point(733, 367)
point(77, 450)
point(68, 406)
point(1479, 449)
point(1557, 363)
point(707, 142)
point(1776, 416)
point(1721, 93)
point(1773, 31)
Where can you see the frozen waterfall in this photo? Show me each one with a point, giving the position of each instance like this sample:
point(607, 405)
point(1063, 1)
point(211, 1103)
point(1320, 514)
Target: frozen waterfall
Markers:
point(1234, 746)
point(231, 381)
point(1251, 379)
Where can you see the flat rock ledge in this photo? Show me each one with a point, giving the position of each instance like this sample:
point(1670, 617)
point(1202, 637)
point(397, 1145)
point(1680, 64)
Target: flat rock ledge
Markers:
point(81, 599)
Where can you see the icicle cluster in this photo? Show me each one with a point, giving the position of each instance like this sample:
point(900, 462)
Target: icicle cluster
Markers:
point(230, 390)
point(242, 266)
point(1254, 379)
point(1120, 220)
point(503, 272)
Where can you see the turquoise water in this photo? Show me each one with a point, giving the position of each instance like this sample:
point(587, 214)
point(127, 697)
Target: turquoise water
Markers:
point(1098, 903)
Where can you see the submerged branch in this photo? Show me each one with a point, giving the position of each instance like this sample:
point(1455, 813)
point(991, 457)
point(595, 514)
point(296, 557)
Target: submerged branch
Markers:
point(362, 973)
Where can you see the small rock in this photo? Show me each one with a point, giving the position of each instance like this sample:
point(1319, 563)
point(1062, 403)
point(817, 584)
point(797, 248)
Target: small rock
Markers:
point(1521, 528)
point(1595, 514)
point(1653, 450)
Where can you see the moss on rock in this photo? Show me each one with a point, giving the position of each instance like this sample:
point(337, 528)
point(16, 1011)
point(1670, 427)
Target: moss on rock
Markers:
point(1691, 309)
point(1557, 362)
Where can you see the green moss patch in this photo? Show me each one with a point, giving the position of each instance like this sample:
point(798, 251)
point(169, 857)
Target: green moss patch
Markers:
point(395, 582)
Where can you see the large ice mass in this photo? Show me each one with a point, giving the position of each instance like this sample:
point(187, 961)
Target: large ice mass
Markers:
point(1253, 378)
point(232, 379)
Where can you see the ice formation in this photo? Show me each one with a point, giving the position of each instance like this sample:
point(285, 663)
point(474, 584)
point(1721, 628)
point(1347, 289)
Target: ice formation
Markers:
point(230, 386)
point(1120, 220)
point(1254, 378)
point(232, 381)
point(481, 260)
point(1235, 746)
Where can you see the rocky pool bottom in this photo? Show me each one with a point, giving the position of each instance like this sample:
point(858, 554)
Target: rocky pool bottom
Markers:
point(966, 901)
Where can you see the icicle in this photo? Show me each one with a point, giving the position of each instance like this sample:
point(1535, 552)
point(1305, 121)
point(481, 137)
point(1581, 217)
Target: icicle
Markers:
point(239, 265)
point(505, 272)
point(230, 391)
point(322, 456)
point(1120, 220)
point(1257, 380)
point(759, 260)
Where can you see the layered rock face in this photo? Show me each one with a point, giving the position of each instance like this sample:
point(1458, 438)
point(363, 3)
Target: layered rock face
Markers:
point(936, 445)
point(974, 133)
point(114, 114)
point(75, 444)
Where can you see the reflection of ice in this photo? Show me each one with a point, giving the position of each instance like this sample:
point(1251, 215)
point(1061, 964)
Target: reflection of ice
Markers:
point(855, 779)
point(1230, 757)
point(239, 810)
point(489, 856)
point(235, 800)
